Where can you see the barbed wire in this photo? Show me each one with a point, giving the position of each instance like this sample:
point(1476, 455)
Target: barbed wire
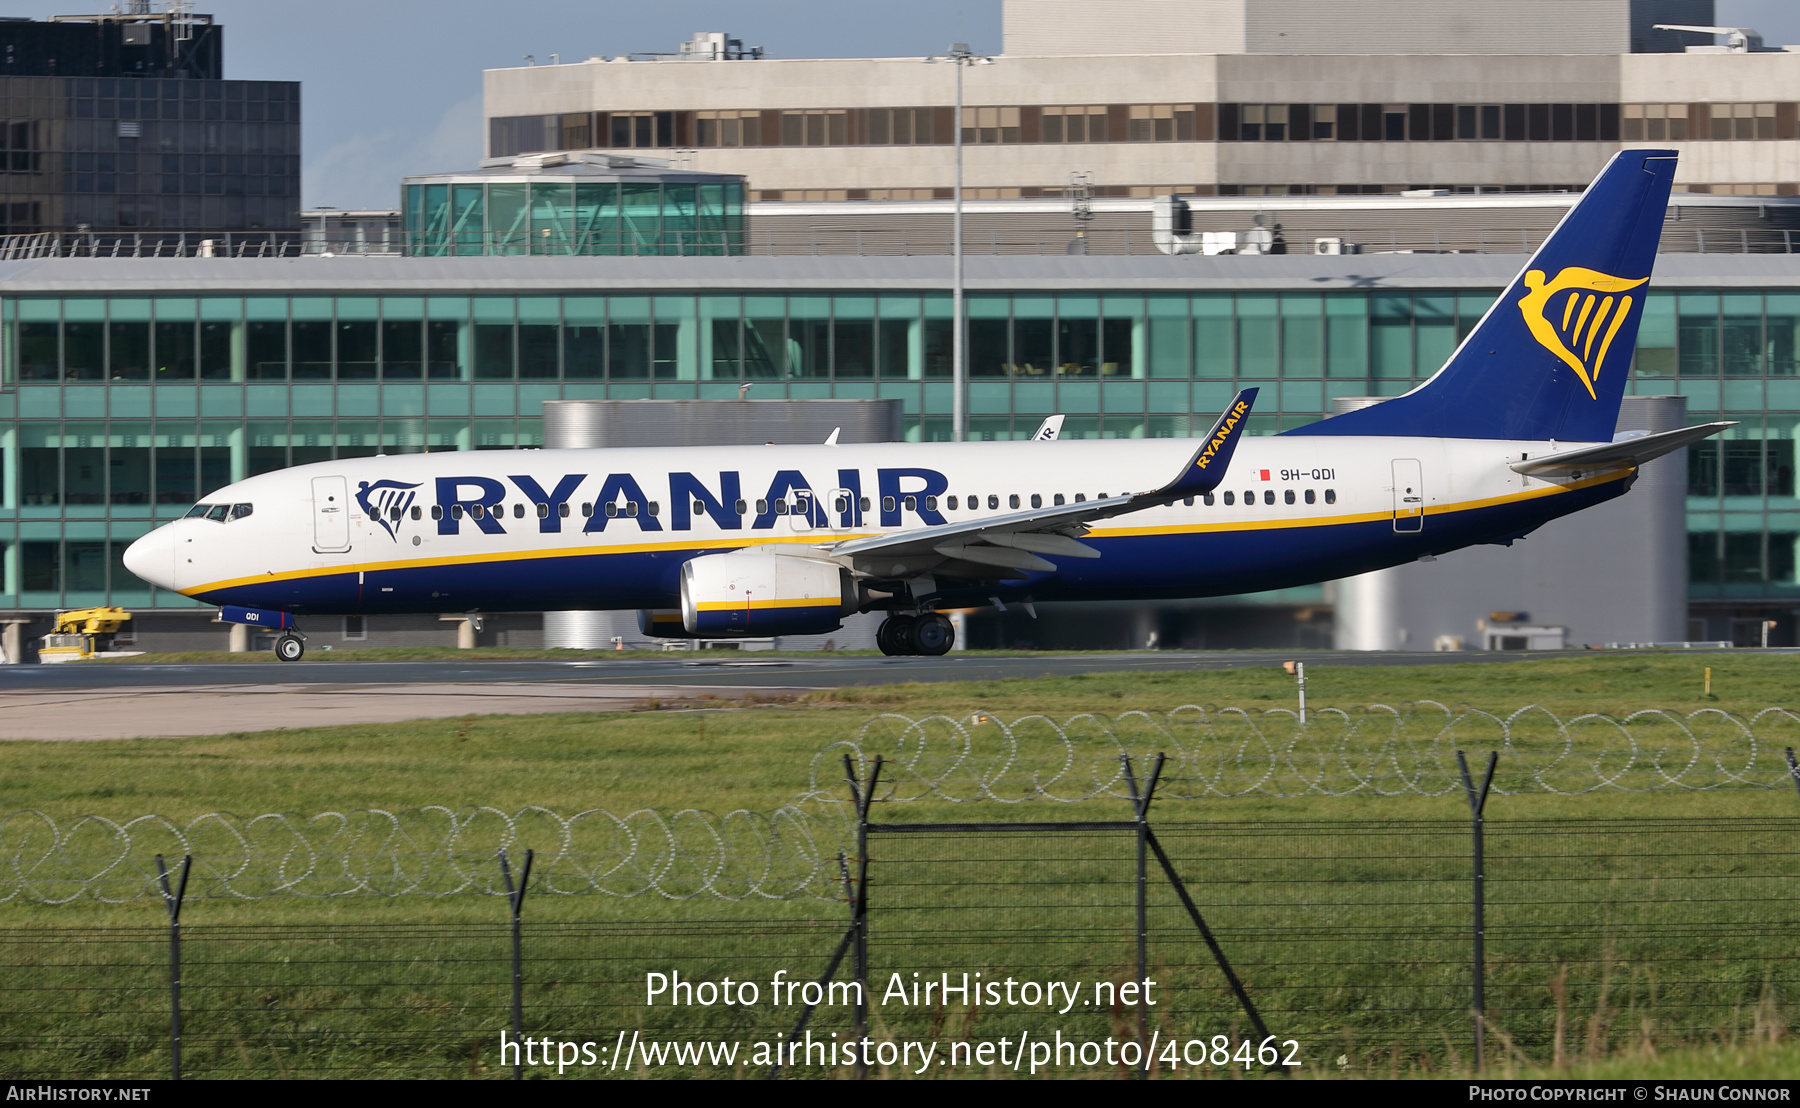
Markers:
point(1380, 749)
point(434, 851)
point(791, 852)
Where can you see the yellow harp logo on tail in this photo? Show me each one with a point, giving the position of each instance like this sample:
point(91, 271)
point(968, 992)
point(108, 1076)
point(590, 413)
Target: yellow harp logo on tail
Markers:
point(1576, 315)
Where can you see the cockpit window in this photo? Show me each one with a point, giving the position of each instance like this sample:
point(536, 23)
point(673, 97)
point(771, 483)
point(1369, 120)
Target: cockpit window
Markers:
point(239, 511)
point(218, 512)
point(197, 511)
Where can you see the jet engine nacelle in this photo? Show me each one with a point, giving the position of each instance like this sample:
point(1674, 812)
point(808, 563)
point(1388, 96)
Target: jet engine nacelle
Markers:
point(725, 595)
point(662, 623)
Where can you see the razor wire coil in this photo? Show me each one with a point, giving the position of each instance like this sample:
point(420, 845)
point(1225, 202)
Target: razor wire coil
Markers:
point(791, 852)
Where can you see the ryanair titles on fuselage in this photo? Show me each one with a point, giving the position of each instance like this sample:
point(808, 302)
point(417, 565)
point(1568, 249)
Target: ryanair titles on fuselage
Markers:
point(471, 501)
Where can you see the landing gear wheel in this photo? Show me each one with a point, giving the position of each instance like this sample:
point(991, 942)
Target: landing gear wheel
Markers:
point(289, 649)
point(933, 635)
point(894, 637)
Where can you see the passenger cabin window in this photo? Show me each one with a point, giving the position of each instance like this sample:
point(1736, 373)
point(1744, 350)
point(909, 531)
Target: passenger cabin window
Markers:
point(1288, 496)
point(1310, 498)
point(543, 511)
point(519, 511)
point(1059, 500)
point(1081, 498)
point(1207, 499)
point(739, 507)
point(1269, 496)
point(416, 513)
point(1230, 500)
point(561, 509)
point(1037, 501)
point(953, 503)
point(1331, 496)
point(1187, 501)
point(911, 503)
point(862, 504)
point(437, 511)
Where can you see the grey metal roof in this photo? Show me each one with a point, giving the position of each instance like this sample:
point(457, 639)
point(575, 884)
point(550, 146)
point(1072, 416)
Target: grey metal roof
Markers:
point(460, 276)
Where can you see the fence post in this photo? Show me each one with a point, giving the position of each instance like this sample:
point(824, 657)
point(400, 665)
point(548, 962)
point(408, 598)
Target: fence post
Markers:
point(1141, 804)
point(516, 900)
point(1478, 802)
point(862, 797)
point(1793, 770)
point(831, 967)
point(1212, 943)
point(172, 901)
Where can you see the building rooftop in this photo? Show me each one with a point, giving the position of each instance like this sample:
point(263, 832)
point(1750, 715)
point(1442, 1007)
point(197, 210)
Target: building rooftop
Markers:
point(461, 276)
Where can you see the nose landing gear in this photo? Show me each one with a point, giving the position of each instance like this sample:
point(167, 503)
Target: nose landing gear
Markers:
point(929, 634)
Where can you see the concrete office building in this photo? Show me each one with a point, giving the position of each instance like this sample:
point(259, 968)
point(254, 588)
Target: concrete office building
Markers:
point(1203, 97)
point(121, 127)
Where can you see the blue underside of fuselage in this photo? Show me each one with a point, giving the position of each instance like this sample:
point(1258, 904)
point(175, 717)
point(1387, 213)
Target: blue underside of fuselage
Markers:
point(1147, 567)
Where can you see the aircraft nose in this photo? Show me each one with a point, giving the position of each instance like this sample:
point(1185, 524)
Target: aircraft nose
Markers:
point(152, 558)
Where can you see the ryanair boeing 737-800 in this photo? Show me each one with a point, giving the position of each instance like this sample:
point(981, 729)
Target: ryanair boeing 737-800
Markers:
point(1516, 429)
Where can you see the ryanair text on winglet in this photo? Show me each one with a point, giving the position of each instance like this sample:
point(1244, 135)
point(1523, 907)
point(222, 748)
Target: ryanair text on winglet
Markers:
point(1226, 427)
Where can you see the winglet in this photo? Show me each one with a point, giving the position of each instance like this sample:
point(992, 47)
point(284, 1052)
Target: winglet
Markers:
point(1206, 469)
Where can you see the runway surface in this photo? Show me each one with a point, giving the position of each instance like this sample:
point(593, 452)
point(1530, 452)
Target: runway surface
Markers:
point(163, 711)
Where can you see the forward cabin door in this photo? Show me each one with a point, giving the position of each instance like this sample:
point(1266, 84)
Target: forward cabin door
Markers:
point(331, 515)
point(1409, 496)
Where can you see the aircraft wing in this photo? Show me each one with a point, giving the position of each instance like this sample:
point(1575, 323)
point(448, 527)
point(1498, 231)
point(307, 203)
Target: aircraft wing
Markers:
point(1634, 451)
point(1014, 541)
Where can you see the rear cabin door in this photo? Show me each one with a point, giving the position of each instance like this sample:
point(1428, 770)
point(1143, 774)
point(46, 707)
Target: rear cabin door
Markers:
point(1409, 496)
point(331, 515)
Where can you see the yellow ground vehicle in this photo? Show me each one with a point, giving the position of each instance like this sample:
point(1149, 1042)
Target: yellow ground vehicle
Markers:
point(84, 633)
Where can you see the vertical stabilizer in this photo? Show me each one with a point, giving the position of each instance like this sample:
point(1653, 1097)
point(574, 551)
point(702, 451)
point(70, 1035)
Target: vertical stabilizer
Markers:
point(1550, 358)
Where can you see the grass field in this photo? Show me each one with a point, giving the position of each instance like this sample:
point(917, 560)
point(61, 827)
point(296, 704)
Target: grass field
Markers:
point(758, 758)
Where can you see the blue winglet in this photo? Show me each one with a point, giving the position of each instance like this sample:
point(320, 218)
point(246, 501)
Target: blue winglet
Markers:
point(1206, 469)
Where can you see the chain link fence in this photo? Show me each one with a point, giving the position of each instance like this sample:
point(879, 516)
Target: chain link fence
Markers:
point(1131, 943)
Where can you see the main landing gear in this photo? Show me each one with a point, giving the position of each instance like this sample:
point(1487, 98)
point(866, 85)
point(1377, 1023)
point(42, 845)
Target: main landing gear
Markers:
point(289, 648)
point(929, 634)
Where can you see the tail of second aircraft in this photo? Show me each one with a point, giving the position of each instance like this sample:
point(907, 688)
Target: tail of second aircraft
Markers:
point(1550, 358)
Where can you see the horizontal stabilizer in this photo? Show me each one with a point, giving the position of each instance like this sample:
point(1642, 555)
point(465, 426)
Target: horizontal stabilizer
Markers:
point(1615, 455)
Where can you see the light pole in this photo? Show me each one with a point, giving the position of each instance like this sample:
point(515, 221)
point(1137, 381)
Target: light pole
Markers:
point(959, 56)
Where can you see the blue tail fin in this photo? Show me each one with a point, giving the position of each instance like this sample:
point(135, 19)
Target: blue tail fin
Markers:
point(1550, 358)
